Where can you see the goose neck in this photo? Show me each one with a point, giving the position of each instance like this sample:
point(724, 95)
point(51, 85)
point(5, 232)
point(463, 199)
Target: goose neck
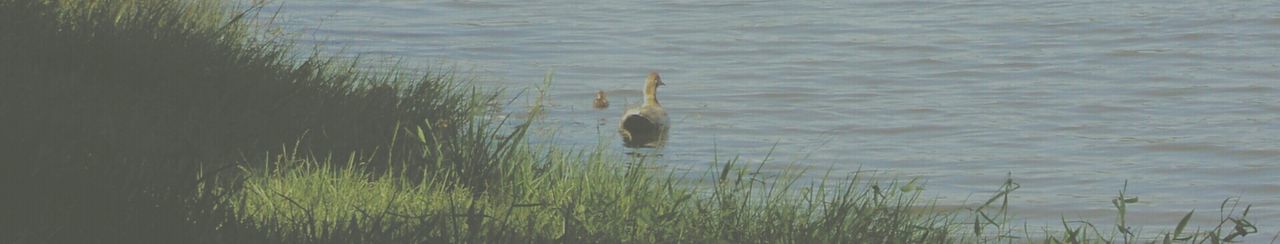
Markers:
point(651, 93)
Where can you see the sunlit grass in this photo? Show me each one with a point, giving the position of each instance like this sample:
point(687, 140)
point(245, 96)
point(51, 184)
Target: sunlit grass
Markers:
point(580, 196)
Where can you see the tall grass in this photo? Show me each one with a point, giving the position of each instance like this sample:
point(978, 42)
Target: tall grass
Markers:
point(991, 223)
point(582, 196)
point(111, 109)
point(140, 121)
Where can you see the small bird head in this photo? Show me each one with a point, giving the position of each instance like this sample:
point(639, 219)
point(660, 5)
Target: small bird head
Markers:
point(653, 76)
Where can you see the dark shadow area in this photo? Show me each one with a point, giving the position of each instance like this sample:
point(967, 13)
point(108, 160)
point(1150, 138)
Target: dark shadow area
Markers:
point(119, 116)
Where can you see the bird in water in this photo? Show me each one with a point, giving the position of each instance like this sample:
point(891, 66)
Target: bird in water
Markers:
point(601, 102)
point(646, 126)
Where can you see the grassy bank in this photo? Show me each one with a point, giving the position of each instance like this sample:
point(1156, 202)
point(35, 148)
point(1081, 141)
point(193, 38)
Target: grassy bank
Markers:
point(142, 121)
point(575, 197)
point(112, 110)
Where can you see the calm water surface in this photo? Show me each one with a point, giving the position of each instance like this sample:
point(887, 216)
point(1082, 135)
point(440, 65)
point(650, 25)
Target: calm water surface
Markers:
point(1181, 98)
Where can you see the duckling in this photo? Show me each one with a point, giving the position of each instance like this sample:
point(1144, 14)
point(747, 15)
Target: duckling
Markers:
point(601, 102)
point(645, 126)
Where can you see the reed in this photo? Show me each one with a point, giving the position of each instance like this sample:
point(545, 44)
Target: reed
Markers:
point(144, 121)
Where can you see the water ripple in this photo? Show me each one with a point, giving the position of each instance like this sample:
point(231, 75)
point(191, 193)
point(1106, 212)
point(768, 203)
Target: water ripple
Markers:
point(1071, 97)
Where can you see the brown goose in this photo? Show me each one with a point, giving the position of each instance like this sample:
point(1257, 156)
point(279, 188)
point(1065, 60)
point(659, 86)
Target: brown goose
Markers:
point(646, 126)
point(601, 102)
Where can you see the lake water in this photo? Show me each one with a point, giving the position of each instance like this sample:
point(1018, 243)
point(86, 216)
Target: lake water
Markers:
point(1181, 98)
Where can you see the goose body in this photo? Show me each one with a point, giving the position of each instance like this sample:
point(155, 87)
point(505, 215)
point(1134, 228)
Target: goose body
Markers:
point(601, 102)
point(645, 126)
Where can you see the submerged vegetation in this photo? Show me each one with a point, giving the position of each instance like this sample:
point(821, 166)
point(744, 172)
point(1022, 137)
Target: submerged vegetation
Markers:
point(140, 121)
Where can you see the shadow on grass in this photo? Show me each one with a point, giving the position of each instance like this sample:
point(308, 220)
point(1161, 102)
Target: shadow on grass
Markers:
point(111, 110)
